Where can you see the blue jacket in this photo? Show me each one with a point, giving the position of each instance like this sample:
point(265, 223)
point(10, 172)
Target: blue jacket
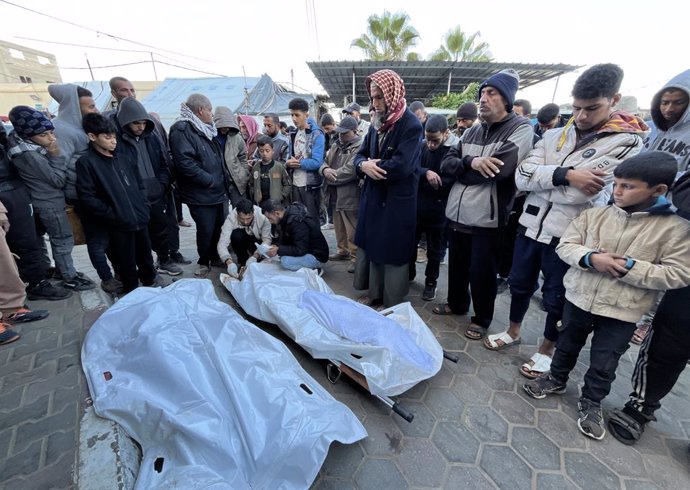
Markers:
point(316, 150)
point(388, 208)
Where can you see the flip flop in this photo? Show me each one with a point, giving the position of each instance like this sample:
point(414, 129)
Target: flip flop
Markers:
point(24, 315)
point(491, 341)
point(7, 335)
point(536, 366)
point(367, 301)
point(475, 332)
point(442, 309)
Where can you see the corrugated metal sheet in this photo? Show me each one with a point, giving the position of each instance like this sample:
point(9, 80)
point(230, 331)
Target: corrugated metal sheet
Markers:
point(423, 79)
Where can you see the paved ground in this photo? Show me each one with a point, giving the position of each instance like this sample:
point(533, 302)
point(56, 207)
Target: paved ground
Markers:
point(474, 427)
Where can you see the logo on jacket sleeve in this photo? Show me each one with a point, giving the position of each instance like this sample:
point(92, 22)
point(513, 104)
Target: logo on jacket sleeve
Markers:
point(589, 153)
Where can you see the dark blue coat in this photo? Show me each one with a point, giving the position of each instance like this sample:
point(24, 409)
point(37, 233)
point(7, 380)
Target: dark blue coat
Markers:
point(388, 208)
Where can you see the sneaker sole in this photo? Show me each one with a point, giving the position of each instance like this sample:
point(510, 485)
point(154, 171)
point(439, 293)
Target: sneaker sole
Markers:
point(590, 435)
point(542, 395)
point(33, 297)
point(429, 298)
point(163, 271)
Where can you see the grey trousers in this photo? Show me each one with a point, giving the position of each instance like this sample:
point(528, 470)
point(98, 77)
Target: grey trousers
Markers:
point(386, 282)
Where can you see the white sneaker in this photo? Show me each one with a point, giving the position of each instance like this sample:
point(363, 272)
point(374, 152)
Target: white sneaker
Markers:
point(327, 226)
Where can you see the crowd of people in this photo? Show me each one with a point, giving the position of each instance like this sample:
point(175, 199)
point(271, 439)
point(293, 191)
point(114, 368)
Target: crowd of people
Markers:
point(592, 210)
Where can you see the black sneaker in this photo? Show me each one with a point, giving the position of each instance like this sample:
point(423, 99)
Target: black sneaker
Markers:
point(590, 419)
point(168, 267)
point(158, 282)
point(78, 283)
point(544, 385)
point(45, 290)
point(429, 293)
point(112, 286)
point(178, 258)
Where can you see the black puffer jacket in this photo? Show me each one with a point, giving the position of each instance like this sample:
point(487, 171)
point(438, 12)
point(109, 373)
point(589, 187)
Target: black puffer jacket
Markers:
point(300, 234)
point(111, 191)
point(201, 177)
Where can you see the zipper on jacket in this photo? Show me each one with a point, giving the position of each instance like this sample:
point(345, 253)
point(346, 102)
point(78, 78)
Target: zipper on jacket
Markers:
point(618, 242)
point(491, 200)
point(543, 218)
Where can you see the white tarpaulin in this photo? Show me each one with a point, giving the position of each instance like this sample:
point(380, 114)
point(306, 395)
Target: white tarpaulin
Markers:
point(391, 366)
point(214, 401)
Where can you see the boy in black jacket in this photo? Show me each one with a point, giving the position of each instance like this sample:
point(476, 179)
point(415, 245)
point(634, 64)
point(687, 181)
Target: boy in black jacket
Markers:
point(431, 199)
point(112, 191)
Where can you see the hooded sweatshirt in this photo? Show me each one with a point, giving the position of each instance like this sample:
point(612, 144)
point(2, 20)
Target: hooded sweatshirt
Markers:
point(234, 149)
point(145, 152)
point(675, 139)
point(71, 138)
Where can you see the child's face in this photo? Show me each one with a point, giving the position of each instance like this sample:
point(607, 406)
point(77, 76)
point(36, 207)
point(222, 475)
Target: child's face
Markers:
point(45, 139)
point(104, 142)
point(266, 153)
point(635, 195)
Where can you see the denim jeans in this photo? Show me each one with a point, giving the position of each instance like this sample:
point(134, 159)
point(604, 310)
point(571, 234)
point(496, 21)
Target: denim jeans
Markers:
point(531, 257)
point(296, 263)
point(56, 224)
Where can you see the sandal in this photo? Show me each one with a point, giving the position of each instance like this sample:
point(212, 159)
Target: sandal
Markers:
point(442, 309)
point(24, 315)
point(7, 335)
point(475, 332)
point(536, 366)
point(624, 427)
point(367, 301)
point(491, 342)
point(640, 333)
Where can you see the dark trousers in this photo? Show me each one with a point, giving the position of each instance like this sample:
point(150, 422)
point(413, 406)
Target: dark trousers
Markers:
point(22, 239)
point(434, 252)
point(173, 222)
point(159, 230)
point(133, 260)
point(310, 197)
point(531, 257)
point(243, 244)
point(209, 220)
point(505, 261)
point(178, 205)
point(664, 353)
point(235, 195)
point(610, 341)
point(472, 265)
point(97, 245)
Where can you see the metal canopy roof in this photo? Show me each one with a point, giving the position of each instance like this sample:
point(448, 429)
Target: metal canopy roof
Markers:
point(423, 79)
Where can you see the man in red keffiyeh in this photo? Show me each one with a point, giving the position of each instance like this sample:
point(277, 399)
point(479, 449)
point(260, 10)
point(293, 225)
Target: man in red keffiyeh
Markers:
point(387, 160)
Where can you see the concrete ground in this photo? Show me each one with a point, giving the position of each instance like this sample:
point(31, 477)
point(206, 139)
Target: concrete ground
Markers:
point(474, 426)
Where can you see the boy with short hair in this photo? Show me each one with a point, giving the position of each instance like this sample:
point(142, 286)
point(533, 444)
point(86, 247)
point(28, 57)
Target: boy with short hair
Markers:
point(42, 166)
point(269, 178)
point(307, 150)
point(111, 190)
point(432, 197)
point(619, 263)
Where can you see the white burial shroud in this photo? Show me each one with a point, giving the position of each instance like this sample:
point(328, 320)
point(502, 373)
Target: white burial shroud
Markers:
point(394, 352)
point(217, 401)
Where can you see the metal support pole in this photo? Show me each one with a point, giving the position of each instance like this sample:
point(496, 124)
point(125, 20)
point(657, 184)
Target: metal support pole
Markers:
point(153, 63)
point(553, 97)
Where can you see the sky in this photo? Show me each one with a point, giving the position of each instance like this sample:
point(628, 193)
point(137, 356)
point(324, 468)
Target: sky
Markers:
point(278, 37)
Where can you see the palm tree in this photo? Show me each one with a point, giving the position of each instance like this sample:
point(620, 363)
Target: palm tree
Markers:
point(461, 47)
point(389, 37)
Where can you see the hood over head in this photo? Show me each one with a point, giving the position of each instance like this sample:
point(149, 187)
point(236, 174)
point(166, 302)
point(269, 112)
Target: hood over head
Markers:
point(680, 81)
point(131, 110)
point(224, 118)
point(66, 95)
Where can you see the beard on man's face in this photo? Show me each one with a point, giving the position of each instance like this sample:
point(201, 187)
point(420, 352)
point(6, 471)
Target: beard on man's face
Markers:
point(378, 118)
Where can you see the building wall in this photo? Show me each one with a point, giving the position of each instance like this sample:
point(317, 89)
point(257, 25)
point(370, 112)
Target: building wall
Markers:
point(19, 64)
point(36, 94)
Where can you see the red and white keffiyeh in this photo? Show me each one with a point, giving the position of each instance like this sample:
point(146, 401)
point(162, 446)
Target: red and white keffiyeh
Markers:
point(393, 90)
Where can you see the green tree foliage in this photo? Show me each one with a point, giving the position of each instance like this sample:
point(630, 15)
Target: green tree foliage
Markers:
point(455, 99)
point(389, 37)
point(458, 46)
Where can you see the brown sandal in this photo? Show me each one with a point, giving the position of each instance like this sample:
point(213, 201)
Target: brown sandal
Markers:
point(367, 301)
point(475, 332)
point(442, 309)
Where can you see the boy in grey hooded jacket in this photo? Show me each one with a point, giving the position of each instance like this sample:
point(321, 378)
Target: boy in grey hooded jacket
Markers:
point(38, 159)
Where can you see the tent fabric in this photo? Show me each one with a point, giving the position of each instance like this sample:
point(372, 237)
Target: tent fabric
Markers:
point(217, 402)
point(268, 97)
point(272, 294)
point(223, 91)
